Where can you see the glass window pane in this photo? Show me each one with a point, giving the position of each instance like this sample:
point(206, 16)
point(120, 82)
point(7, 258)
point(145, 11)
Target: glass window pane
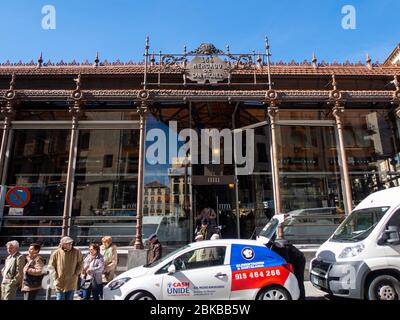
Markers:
point(372, 145)
point(39, 162)
point(105, 185)
point(310, 182)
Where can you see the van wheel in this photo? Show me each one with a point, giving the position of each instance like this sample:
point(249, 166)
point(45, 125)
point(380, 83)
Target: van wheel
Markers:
point(141, 296)
point(274, 293)
point(384, 288)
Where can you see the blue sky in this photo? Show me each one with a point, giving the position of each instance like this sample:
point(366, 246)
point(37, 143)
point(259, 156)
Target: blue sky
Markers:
point(117, 28)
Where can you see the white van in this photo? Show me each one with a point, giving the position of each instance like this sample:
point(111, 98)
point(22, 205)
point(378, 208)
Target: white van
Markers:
point(362, 258)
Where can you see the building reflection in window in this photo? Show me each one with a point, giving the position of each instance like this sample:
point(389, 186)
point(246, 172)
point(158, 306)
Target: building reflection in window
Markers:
point(39, 161)
point(105, 193)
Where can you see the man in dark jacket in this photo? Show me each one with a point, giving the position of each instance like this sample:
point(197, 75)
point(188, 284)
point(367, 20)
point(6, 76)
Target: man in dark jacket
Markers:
point(294, 256)
point(155, 250)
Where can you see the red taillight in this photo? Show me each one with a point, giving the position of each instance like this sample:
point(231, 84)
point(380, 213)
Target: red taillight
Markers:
point(289, 267)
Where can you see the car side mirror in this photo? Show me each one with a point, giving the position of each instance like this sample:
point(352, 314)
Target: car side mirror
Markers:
point(390, 236)
point(171, 269)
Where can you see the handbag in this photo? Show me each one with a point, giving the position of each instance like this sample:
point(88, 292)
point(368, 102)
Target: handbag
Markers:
point(33, 281)
point(85, 284)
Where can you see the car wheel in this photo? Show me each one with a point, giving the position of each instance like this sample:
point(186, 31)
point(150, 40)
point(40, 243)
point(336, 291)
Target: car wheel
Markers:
point(141, 296)
point(274, 293)
point(384, 288)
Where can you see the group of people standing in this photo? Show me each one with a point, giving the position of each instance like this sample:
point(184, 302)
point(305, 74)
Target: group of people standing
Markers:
point(70, 270)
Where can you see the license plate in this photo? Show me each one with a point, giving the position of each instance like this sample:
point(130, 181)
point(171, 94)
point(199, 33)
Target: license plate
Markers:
point(318, 281)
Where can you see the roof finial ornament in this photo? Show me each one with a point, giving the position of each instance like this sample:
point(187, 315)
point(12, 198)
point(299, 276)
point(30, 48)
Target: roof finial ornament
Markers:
point(334, 83)
point(78, 82)
point(368, 61)
point(40, 60)
point(314, 60)
point(12, 82)
point(96, 60)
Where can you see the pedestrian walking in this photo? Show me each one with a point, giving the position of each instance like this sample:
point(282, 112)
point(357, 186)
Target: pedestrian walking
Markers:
point(91, 276)
point(12, 272)
point(155, 250)
point(33, 273)
point(66, 262)
point(109, 252)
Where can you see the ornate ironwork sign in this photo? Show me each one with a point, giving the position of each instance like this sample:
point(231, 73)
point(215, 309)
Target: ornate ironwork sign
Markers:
point(202, 69)
point(205, 65)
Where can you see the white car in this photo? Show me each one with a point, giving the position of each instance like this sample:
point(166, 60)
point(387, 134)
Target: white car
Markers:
point(219, 269)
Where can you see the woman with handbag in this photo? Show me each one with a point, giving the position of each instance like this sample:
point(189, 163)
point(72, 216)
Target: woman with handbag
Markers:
point(93, 266)
point(110, 256)
point(33, 273)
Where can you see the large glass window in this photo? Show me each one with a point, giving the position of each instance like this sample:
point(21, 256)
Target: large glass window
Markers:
point(373, 151)
point(39, 162)
point(105, 192)
point(256, 199)
point(167, 183)
point(310, 182)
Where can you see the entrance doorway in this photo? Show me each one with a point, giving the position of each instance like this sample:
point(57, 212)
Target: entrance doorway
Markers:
point(217, 204)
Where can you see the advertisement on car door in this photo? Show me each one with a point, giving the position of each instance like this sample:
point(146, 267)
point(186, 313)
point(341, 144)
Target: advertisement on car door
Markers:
point(254, 267)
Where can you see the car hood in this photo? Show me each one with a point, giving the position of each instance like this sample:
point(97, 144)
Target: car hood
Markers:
point(329, 251)
point(134, 272)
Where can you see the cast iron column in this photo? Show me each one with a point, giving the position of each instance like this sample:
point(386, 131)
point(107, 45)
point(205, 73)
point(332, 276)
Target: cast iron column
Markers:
point(75, 111)
point(9, 113)
point(142, 110)
point(338, 109)
point(272, 112)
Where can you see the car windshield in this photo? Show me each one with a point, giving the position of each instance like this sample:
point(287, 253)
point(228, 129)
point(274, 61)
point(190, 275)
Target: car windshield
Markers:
point(151, 265)
point(359, 224)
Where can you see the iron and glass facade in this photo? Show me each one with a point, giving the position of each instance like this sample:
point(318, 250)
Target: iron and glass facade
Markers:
point(325, 136)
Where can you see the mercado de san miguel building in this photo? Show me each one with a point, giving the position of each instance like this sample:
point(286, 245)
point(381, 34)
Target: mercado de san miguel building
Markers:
point(73, 145)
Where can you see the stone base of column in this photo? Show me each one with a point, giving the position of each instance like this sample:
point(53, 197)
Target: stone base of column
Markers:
point(136, 258)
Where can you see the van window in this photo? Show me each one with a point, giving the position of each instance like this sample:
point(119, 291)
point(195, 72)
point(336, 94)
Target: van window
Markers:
point(395, 220)
point(359, 224)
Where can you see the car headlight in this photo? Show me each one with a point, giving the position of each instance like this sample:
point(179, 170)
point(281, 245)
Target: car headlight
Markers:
point(352, 251)
point(118, 283)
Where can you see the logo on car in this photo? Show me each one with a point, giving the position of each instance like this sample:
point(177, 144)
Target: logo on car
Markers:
point(248, 253)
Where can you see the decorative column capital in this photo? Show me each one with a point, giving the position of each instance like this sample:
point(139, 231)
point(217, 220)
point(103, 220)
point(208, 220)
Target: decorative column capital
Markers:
point(8, 111)
point(273, 101)
point(142, 108)
point(337, 110)
point(75, 109)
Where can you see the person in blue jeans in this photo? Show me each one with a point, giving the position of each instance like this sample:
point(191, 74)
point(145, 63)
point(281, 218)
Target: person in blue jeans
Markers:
point(93, 266)
point(66, 265)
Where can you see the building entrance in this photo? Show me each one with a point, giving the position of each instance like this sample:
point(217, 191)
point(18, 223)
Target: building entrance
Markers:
point(217, 204)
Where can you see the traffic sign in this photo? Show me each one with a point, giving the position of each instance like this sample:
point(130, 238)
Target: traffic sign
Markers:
point(18, 197)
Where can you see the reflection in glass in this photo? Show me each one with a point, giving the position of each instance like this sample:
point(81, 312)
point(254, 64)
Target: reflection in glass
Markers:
point(310, 182)
point(39, 161)
point(105, 195)
point(373, 151)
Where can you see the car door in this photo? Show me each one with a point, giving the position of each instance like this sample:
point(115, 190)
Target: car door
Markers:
point(392, 251)
point(201, 273)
